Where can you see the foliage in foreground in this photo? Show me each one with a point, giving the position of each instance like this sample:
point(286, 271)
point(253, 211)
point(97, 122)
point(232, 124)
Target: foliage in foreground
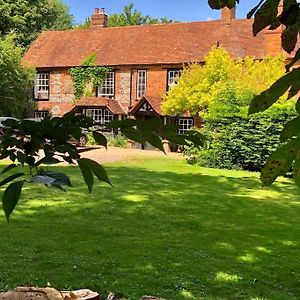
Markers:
point(34, 145)
point(272, 14)
point(15, 80)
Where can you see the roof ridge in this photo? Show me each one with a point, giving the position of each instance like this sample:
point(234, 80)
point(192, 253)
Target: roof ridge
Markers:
point(143, 26)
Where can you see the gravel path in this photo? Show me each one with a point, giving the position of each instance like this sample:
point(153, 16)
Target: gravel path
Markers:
point(114, 154)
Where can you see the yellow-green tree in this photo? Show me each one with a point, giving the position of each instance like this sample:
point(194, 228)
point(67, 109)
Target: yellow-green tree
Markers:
point(198, 87)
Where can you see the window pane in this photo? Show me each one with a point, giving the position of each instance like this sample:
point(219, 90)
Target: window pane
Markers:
point(108, 86)
point(41, 86)
point(100, 115)
point(141, 83)
point(173, 76)
point(184, 125)
point(41, 114)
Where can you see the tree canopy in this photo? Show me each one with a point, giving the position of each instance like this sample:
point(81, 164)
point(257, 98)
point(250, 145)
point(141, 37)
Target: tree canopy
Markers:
point(131, 16)
point(15, 80)
point(199, 88)
point(27, 18)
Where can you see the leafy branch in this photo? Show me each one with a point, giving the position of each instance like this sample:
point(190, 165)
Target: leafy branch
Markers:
point(34, 146)
point(268, 15)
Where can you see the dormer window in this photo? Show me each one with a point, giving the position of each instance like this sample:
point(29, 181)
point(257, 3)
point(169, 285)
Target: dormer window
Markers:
point(108, 87)
point(173, 76)
point(41, 86)
point(141, 83)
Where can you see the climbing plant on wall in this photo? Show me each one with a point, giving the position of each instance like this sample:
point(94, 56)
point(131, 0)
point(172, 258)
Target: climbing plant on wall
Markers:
point(87, 77)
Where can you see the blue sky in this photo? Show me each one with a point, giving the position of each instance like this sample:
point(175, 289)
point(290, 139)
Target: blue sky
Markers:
point(187, 10)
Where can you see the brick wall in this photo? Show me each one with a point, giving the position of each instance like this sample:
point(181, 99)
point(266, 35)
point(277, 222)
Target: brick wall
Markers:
point(62, 94)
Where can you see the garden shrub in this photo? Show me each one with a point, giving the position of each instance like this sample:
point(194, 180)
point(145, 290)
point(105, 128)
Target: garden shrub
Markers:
point(118, 141)
point(240, 141)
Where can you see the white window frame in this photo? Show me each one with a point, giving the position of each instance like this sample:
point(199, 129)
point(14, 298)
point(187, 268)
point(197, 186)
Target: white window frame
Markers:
point(41, 114)
point(185, 124)
point(100, 115)
point(173, 76)
point(107, 89)
point(42, 86)
point(141, 83)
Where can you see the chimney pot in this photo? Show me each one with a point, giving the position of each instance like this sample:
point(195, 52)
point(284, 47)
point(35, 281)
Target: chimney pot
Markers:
point(99, 19)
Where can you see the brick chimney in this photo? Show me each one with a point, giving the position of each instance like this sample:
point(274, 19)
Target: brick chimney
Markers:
point(99, 19)
point(228, 14)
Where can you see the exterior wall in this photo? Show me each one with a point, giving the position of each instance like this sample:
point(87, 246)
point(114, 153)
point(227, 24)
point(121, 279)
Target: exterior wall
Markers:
point(273, 42)
point(122, 86)
point(60, 94)
point(61, 91)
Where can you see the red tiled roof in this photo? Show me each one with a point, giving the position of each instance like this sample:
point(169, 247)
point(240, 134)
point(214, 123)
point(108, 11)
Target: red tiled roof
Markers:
point(144, 45)
point(60, 107)
point(113, 105)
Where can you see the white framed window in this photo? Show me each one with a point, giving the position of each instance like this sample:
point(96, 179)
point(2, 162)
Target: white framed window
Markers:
point(41, 86)
point(173, 76)
point(141, 83)
point(108, 87)
point(41, 114)
point(185, 124)
point(100, 115)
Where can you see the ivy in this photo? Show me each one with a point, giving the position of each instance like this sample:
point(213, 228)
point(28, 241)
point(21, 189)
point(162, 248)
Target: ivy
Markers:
point(87, 77)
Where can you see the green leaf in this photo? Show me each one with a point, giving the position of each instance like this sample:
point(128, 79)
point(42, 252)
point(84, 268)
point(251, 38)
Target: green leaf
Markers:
point(195, 137)
point(294, 60)
point(290, 14)
point(52, 178)
point(133, 134)
point(86, 173)
point(11, 197)
point(291, 129)
point(11, 178)
point(97, 169)
point(8, 168)
point(218, 4)
point(279, 162)
point(100, 138)
point(154, 140)
point(298, 106)
point(253, 10)
point(152, 124)
point(294, 90)
point(289, 38)
point(265, 16)
point(296, 170)
point(267, 98)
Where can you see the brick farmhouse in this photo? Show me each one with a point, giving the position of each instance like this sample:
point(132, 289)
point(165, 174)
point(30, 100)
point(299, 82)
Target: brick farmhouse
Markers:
point(145, 63)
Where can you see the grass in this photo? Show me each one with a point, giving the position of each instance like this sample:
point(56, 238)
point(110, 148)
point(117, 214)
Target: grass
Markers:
point(166, 229)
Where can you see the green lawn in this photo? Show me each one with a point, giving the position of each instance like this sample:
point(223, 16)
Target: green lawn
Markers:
point(166, 229)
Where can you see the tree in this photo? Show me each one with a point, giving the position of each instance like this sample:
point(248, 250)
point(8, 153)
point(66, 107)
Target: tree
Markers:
point(133, 17)
point(267, 15)
point(27, 18)
point(15, 80)
point(199, 87)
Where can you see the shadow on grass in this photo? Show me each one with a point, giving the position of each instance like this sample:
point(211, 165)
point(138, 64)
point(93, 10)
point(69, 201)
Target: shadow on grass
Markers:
point(179, 235)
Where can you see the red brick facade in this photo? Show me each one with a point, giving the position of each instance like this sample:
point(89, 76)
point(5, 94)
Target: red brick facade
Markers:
point(153, 48)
